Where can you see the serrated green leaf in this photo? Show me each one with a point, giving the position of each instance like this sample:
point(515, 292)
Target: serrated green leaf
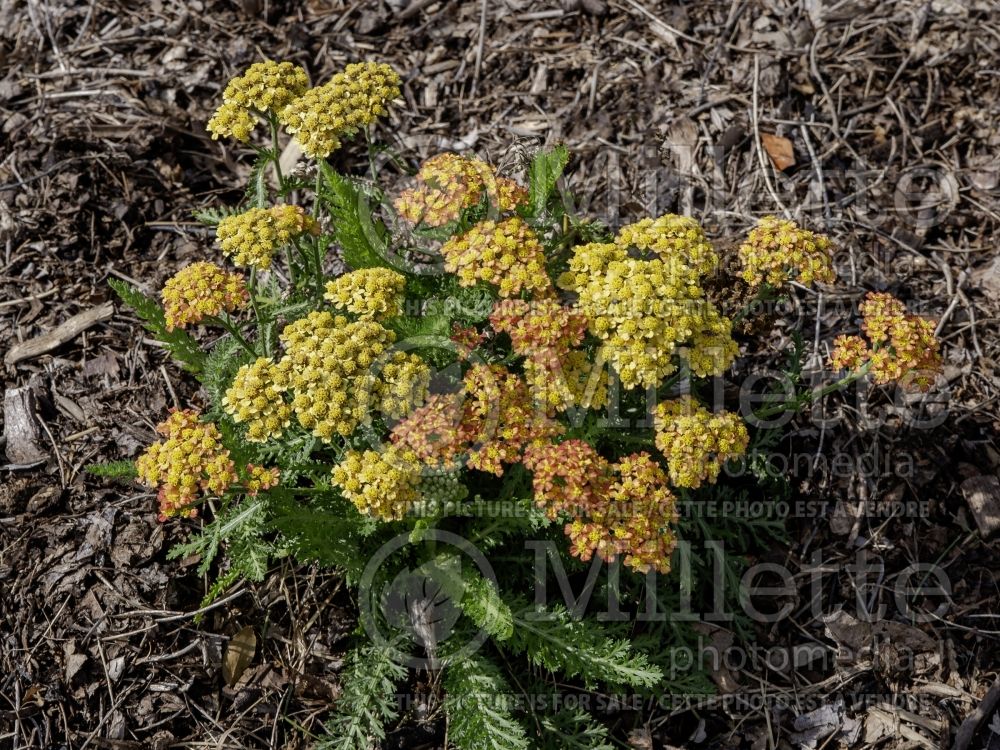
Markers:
point(179, 343)
point(478, 705)
point(546, 169)
point(113, 470)
point(483, 605)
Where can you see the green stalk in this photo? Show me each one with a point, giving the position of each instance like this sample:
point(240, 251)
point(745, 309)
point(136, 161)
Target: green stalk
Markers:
point(812, 396)
point(233, 331)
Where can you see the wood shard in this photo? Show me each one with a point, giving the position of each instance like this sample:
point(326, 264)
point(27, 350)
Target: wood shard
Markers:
point(64, 332)
point(25, 443)
point(982, 493)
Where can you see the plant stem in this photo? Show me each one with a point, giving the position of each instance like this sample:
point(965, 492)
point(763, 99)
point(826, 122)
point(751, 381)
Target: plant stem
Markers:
point(276, 153)
point(812, 396)
point(227, 323)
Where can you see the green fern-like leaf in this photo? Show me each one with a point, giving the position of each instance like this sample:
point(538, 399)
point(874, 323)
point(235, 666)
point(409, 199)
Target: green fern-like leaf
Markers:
point(220, 367)
point(477, 703)
point(552, 639)
point(113, 470)
point(546, 169)
point(573, 730)
point(368, 702)
point(361, 237)
point(482, 603)
point(179, 343)
point(212, 215)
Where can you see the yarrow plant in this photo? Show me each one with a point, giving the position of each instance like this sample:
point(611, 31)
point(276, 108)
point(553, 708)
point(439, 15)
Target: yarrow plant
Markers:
point(400, 356)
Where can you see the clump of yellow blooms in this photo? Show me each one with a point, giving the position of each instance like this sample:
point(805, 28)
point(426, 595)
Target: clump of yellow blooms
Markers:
point(252, 237)
point(369, 293)
point(351, 100)
point(403, 383)
point(635, 520)
point(260, 478)
point(777, 250)
point(190, 460)
point(574, 382)
point(696, 442)
point(903, 346)
point(642, 297)
point(201, 290)
point(448, 183)
point(265, 87)
point(381, 484)
point(254, 398)
point(506, 254)
point(327, 368)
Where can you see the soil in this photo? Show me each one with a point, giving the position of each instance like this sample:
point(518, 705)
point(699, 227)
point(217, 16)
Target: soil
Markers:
point(889, 111)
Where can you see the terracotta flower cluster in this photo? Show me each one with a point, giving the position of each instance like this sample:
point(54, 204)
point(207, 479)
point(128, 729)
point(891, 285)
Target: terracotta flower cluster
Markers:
point(900, 347)
point(447, 184)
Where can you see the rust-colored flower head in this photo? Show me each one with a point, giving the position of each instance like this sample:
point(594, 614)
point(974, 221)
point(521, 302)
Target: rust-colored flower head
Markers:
point(201, 290)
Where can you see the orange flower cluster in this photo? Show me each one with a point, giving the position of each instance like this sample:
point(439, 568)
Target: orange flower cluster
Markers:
point(506, 254)
point(190, 460)
point(260, 478)
point(903, 347)
point(569, 477)
point(636, 520)
point(621, 509)
point(199, 291)
point(489, 423)
point(448, 183)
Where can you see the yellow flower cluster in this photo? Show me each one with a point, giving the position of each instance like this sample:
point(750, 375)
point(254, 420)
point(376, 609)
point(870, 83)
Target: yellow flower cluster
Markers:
point(903, 347)
point(369, 292)
point(506, 254)
point(635, 520)
point(260, 478)
point(404, 382)
point(642, 297)
point(379, 484)
point(256, 399)
point(349, 101)
point(334, 370)
point(777, 250)
point(252, 237)
point(575, 382)
point(696, 442)
point(191, 460)
point(201, 290)
point(265, 87)
point(448, 183)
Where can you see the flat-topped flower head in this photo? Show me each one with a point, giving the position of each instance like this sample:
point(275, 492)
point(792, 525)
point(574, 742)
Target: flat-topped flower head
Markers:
point(447, 184)
point(696, 442)
point(381, 484)
point(778, 250)
point(331, 369)
point(351, 100)
point(568, 477)
point(542, 330)
point(265, 87)
point(201, 290)
point(261, 478)
point(252, 237)
point(572, 382)
point(901, 348)
point(255, 399)
point(506, 254)
point(189, 462)
point(634, 521)
point(368, 292)
point(678, 241)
